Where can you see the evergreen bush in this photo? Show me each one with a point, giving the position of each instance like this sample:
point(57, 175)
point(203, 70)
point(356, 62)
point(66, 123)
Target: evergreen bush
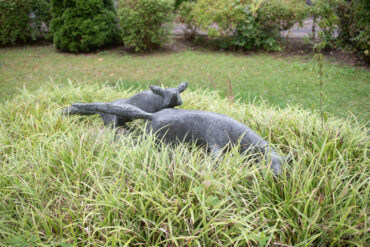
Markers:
point(145, 24)
point(84, 25)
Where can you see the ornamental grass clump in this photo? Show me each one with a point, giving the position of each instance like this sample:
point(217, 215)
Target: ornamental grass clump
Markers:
point(70, 180)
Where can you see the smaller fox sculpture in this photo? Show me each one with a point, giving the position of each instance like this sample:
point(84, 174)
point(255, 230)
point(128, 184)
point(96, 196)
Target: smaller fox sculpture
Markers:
point(151, 101)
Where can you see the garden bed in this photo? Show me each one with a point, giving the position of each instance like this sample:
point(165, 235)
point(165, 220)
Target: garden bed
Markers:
point(70, 180)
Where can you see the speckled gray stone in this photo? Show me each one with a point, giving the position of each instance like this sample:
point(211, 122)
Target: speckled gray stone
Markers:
point(214, 130)
point(150, 101)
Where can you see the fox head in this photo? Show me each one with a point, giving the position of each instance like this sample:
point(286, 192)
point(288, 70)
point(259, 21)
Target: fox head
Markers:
point(171, 96)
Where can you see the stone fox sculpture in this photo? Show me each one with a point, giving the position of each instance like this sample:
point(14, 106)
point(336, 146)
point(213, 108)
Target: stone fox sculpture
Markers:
point(206, 128)
point(151, 101)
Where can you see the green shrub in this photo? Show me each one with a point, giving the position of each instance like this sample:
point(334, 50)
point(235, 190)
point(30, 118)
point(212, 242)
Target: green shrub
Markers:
point(354, 28)
point(20, 20)
point(219, 19)
point(84, 25)
point(180, 2)
point(362, 26)
point(260, 29)
point(14, 22)
point(324, 14)
point(247, 24)
point(145, 24)
point(286, 13)
point(188, 17)
point(256, 31)
point(343, 24)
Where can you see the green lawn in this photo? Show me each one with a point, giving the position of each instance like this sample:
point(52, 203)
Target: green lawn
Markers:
point(280, 81)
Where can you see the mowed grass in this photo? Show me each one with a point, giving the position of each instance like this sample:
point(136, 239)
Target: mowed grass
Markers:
point(68, 181)
point(280, 81)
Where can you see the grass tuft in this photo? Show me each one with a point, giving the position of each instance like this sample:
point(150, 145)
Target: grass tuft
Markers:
point(70, 180)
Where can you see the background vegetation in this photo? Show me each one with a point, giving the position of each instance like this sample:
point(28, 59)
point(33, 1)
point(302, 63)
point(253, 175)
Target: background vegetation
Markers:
point(146, 24)
point(82, 26)
point(354, 28)
point(68, 180)
point(21, 20)
point(248, 25)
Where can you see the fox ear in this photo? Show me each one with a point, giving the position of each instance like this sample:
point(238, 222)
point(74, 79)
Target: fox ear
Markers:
point(157, 90)
point(182, 86)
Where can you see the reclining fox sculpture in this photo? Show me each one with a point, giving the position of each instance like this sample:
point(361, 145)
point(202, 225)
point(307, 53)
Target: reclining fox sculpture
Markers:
point(150, 101)
point(214, 130)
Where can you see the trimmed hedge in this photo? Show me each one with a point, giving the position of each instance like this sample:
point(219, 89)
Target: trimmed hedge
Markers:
point(145, 24)
point(84, 25)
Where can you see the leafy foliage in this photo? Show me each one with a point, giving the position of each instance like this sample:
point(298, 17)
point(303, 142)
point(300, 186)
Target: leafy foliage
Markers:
point(187, 16)
point(41, 17)
point(343, 24)
point(145, 24)
point(323, 12)
point(255, 32)
point(84, 25)
point(354, 28)
point(256, 24)
point(178, 3)
point(14, 22)
point(249, 24)
point(286, 13)
point(21, 20)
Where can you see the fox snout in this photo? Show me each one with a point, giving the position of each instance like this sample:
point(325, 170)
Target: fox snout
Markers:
point(174, 100)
